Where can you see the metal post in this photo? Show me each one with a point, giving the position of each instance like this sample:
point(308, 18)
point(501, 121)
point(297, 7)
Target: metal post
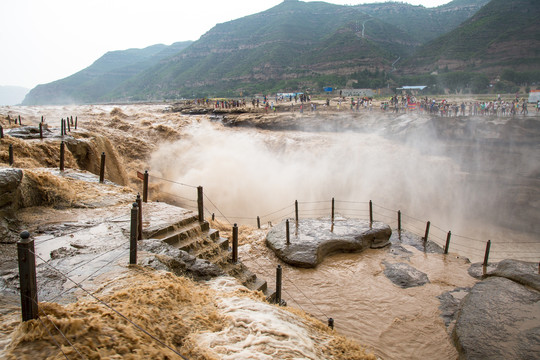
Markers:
point(62, 128)
point(20, 122)
point(258, 222)
point(41, 130)
point(278, 284)
point(75, 123)
point(331, 323)
point(426, 235)
point(1, 132)
point(370, 212)
point(486, 255)
point(213, 216)
point(102, 169)
point(235, 243)
point(139, 222)
point(399, 220)
point(133, 234)
point(288, 236)
point(296, 211)
point(333, 204)
point(447, 242)
point(145, 187)
point(42, 118)
point(27, 277)
point(65, 127)
point(62, 155)
point(10, 154)
point(71, 119)
point(200, 203)
point(68, 126)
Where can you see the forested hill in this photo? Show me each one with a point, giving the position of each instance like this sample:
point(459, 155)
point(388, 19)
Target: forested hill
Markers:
point(503, 34)
point(420, 23)
point(294, 45)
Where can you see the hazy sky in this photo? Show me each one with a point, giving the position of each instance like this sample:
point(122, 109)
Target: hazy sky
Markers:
point(46, 40)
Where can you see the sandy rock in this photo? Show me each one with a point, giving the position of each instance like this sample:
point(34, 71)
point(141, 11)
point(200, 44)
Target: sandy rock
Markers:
point(316, 238)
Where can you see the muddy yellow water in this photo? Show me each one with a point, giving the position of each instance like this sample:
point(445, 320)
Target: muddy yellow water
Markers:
point(352, 289)
point(155, 315)
point(478, 193)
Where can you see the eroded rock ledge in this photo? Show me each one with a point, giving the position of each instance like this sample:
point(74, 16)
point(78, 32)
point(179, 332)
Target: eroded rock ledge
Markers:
point(314, 239)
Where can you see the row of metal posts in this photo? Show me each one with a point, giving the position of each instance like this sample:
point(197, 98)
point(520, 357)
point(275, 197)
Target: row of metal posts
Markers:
point(27, 262)
point(62, 160)
point(425, 238)
point(27, 257)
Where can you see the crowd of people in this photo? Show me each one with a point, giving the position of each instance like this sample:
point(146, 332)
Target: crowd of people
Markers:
point(498, 107)
point(396, 104)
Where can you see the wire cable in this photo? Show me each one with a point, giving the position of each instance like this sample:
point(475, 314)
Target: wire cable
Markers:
point(111, 308)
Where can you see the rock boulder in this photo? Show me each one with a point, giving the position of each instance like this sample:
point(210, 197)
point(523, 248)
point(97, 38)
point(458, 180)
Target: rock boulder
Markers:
point(314, 239)
point(500, 317)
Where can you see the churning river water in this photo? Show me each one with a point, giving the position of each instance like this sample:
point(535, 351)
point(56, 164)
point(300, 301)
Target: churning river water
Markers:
point(478, 177)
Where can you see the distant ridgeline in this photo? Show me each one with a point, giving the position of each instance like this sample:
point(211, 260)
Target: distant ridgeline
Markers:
point(307, 46)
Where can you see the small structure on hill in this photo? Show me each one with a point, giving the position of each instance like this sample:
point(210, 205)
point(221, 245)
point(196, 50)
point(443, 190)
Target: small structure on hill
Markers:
point(414, 90)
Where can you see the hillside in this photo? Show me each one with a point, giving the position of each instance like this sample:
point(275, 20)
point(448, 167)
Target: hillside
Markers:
point(94, 82)
point(291, 45)
point(294, 45)
point(503, 34)
point(424, 24)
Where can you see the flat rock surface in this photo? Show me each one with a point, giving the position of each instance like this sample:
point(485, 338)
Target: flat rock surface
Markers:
point(314, 239)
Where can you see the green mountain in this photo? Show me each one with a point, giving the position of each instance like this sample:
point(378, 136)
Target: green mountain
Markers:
point(294, 45)
point(503, 34)
point(420, 23)
point(96, 81)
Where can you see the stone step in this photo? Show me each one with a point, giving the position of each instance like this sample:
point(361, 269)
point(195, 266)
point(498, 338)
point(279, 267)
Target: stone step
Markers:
point(221, 259)
point(159, 233)
point(213, 234)
point(223, 243)
point(179, 235)
point(258, 285)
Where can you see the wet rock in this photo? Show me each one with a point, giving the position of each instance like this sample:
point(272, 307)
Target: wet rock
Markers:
point(404, 275)
point(314, 239)
point(10, 179)
point(400, 251)
point(407, 238)
point(499, 319)
point(28, 132)
point(524, 273)
point(479, 271)
point(63, 252)
point(177, 261)
point(450, 301)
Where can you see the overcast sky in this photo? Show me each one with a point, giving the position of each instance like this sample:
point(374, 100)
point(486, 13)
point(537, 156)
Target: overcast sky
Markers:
point(46, 40)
